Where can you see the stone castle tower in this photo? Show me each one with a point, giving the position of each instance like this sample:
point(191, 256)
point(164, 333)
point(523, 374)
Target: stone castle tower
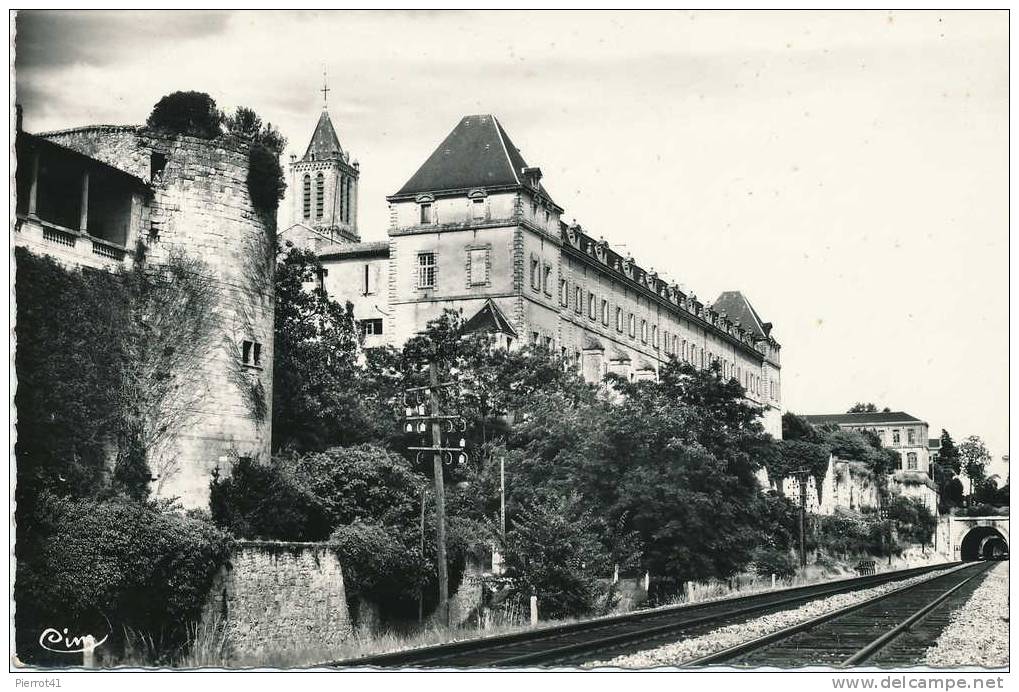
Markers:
point(324, 185)
point(194, 197)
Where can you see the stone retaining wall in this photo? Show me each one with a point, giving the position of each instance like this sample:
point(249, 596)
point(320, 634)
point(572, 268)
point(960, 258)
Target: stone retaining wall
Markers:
point(273, 597)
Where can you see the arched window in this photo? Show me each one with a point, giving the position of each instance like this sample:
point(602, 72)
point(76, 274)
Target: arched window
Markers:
point(320, 195)
point(341, 192)
point(350, 189)
point(307, 196)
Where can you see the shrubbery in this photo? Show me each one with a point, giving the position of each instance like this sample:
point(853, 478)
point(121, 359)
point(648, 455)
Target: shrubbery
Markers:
point(555, 555)
point(267, 501)
point(190, 113)
point(767, 561)
point(90, 561)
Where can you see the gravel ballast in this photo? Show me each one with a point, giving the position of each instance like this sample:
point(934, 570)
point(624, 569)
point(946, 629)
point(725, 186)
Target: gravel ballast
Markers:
point(731, 635)
point(977, 634)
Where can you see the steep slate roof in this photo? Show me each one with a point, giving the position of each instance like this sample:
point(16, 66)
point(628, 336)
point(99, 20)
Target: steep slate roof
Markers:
point(876, 418)
point(490, 319)
point(324, 141)
point(477, 153)
point(738, 309)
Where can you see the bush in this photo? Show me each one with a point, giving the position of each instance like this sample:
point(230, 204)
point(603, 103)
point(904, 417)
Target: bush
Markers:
point(365, 482)
point(380, 563)
point(265, 178)
point(267, 501)
point(90, 561)
point(187, 113)
point(553, 554)
point(767, 561)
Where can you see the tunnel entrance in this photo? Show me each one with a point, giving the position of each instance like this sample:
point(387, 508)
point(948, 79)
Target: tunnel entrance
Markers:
point(983, 542)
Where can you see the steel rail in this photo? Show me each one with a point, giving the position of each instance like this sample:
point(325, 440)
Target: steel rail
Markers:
point(446, 654)
point(904, 626)
point(758, 643)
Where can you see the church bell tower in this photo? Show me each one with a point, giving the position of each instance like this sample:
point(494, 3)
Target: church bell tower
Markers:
point(324, 183)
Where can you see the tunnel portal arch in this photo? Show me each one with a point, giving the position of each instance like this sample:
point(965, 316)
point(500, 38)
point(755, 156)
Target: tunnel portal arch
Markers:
point(980, 541)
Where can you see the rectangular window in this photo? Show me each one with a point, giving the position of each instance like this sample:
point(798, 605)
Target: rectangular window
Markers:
point(911, 461)
point(251, 353)
point(535, 274)
point(605, 312)
point(426, 213)
point(578, 300)
point(895, 438)
point(619, 319)
point(479, 266)
point(426, 270)
point(654, 335)
point(910, 436)
point(633, 322)
point(564, 293)
point(370, 280)
point(643, 331)
point(590, 306)
point(534, 338)
point(478, 209)
point(546, 280)
point(370, 327)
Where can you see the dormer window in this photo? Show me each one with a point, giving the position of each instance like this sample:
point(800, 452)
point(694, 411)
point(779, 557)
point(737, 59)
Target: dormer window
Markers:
point(426, 213)
point(478, 208)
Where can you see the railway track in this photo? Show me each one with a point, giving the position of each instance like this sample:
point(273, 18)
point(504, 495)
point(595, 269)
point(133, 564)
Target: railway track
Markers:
point(589, 640)
point(891, 629)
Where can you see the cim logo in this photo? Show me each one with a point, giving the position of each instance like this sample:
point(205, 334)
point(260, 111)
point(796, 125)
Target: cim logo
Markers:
point(60, 641)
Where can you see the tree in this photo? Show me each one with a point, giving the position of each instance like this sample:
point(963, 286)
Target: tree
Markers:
point(265, 175)
point(321, 395)
point(187, 113)
point(861, 407)
point(796, 428)
point(554, 554)
point(913, 522)
point(948, 455)
point(974, 457)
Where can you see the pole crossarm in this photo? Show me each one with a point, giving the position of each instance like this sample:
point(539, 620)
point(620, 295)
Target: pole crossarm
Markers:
point(436, 449)
point(430, 387)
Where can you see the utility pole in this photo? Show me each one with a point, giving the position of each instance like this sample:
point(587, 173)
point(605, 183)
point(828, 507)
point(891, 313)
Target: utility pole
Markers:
point(802, 475)
point(502, 495)
point(421, 592)
point(440, 493)
point(419, 420)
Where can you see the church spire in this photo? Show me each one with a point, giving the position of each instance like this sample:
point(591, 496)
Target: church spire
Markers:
point(325, 89)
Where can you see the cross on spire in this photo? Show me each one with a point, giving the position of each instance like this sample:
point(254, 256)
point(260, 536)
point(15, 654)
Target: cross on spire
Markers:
point(325, 90)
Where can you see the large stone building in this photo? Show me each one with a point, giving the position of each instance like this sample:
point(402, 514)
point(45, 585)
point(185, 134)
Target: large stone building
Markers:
point(92, 196)
point(476, 230)
point(901, 432)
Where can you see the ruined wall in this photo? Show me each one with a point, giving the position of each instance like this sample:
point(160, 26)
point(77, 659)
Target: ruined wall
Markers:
point(273, 596)
point(200, 205)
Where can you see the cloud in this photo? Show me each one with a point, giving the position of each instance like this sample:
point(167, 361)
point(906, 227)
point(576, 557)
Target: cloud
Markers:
point(53, 39)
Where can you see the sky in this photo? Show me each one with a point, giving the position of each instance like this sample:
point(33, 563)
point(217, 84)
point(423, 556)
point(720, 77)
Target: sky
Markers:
point(847, 171)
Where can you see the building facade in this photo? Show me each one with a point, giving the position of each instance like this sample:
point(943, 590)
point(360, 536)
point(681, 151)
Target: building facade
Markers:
point(475, 229)
point(94, 196)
